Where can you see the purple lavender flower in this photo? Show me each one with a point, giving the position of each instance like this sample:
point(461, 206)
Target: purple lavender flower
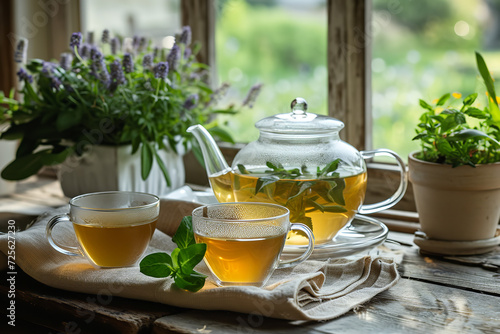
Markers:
point(21, 51)
point(117, 76)
point(65, 61)
point(191, 101)
point(55, 82)
point(173, 57)
point(128, 64)
point(147, 61)
point(252, 96)
point(76, 39)
point(94, 69)
point(47, 68)
point(187, 52)
point(185, 35)
point(115, 45)
point(161, 70)
point(218, 93)
point(84, 50)
point(24, 76)
point(117, 72)
point(48, 71)
point(105, 36)
point(95, 57)
point(95, 54)
point(90, 37)
point(103, 73)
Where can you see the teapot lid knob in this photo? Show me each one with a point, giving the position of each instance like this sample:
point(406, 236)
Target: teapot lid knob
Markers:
point(299, 121)
point(299, 106)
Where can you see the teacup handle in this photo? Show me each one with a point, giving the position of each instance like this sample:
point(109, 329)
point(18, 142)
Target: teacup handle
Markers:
point(306, 254)
point(403, 182)
point(68, 250)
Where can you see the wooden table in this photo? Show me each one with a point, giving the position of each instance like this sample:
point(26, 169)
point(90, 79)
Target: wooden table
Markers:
point(434, 295)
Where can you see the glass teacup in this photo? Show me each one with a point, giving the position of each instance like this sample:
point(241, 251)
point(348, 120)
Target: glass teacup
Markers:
point(245, 240)
point(113, 228)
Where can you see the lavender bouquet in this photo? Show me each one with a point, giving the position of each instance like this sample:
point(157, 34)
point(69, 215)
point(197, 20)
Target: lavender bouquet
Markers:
point(105, 94)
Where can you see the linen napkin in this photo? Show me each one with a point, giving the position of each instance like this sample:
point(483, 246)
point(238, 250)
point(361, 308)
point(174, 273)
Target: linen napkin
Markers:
point(313, 290)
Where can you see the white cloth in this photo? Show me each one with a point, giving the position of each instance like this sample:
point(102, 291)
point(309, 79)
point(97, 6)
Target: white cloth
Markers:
point(313, 290)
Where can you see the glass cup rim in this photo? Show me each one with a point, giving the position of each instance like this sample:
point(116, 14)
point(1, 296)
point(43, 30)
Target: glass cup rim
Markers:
point(156, 201)
point(241, 221)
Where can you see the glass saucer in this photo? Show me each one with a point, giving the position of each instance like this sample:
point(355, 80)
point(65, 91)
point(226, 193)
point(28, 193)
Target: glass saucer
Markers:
point(361, 235)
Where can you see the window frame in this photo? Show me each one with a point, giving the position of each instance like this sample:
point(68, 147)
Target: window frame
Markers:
point(7, 80)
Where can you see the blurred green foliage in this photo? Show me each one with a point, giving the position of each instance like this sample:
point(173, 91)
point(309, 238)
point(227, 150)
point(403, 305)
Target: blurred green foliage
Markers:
point(408, 65)
point(284, 50)
point(416, 15)
point(420, 50)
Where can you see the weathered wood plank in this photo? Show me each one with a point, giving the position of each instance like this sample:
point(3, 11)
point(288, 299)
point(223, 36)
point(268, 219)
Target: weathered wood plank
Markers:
point(200, 16)
point(347, 80)
point(436, 269)
point(418, 307)
point(490, 261)
point(65, 311)
point(7, 68)
point(222, 322)
point(408, 307)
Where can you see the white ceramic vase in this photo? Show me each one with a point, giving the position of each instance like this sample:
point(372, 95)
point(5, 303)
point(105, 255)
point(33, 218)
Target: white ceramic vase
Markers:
point(107, 168)
point(7, 154)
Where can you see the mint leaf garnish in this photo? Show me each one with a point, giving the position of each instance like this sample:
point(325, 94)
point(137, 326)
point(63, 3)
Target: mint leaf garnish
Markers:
point(180, 263)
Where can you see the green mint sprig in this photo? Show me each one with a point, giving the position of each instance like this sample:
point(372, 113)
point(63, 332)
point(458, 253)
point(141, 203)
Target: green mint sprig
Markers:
point(300, 199)
point(181, 262)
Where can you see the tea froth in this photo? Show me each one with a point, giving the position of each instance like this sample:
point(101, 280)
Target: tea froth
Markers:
point(240, 231)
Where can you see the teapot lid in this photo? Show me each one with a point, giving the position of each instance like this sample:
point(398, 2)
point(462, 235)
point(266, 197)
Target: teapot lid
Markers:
point(299, 121)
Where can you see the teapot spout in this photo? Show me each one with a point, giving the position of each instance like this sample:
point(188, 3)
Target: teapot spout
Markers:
point(215, 163)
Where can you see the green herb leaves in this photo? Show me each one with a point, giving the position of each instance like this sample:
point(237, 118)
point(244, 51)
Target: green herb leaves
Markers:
point(446, 136)
point(181, 262)
point(184, 236)
point(488, 81)
point(157, 265)
point(444, 132)
point(301, 191)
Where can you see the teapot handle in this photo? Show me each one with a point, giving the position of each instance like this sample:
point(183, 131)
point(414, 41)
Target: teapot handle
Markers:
point(403, 183)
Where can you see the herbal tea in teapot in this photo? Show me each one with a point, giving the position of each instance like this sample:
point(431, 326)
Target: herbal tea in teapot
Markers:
point(324, 201)
point(299, 161)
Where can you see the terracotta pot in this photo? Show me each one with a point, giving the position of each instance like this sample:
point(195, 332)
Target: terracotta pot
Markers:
point(456, 204)
point(106, 168)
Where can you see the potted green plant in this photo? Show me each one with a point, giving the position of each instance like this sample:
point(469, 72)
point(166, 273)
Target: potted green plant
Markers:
point(104, 107)
point(456, 174)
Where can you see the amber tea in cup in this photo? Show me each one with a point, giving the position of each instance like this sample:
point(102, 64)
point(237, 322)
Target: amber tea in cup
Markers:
point(245, 240)
point(113, 229)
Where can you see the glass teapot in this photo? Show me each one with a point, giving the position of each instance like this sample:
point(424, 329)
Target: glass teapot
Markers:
point(299, 161)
